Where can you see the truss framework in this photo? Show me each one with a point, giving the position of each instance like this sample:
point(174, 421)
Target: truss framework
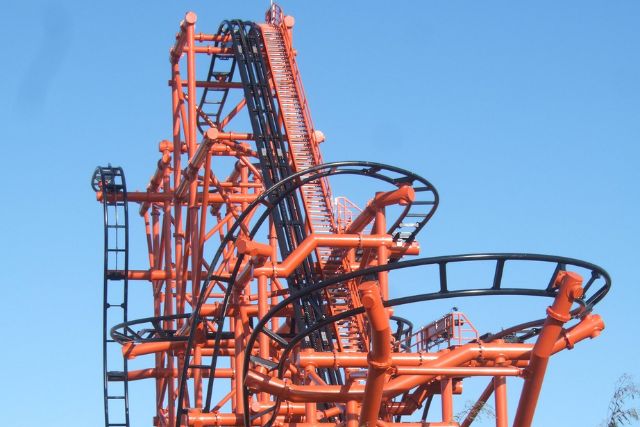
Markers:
point(271, 303)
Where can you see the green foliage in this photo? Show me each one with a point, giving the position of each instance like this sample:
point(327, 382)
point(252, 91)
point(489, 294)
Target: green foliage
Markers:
point(480, 412)
point(621, 409)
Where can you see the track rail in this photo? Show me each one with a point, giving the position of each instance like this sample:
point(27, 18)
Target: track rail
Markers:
point(256, 287)
point(111, 181)
point(273, 197)
point(592, 296)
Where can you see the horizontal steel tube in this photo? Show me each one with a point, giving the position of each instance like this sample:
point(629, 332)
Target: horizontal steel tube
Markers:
point(215, 198)
point(142, 374)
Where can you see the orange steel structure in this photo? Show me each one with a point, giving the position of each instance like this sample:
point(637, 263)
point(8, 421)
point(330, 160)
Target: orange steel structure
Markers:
point(271, 299)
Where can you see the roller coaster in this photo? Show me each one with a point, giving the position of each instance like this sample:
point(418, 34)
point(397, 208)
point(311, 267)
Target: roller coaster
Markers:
point(272, 302)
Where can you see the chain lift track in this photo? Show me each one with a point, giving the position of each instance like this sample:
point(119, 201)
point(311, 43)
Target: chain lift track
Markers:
point(273, 302)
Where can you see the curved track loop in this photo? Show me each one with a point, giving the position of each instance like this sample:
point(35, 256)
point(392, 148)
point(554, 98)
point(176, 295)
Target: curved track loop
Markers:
point(272, 197)
point(111, 182)
point(494, 288)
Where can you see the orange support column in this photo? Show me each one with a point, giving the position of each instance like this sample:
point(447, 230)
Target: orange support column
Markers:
point(380, 356)
point(502, 415)
point(383, 254)
point(446, 391)
point(352, 413)
point(557, 315)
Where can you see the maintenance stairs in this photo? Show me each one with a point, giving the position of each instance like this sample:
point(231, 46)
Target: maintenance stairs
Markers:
point(315, 194)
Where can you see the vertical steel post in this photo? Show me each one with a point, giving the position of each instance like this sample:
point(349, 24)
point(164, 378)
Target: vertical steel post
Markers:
point(557, 315)
point(502, 415)
point(380, 355)
point(446, 393)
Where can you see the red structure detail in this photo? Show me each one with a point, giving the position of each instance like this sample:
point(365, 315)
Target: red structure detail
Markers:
point(291, 324)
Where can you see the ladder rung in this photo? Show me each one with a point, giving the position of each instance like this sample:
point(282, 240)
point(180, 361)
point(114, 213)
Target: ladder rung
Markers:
point(115, 375)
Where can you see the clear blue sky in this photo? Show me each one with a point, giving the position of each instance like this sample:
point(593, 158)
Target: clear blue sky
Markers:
point(525, 115)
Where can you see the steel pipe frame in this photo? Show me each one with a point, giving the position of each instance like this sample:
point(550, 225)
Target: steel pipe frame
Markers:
point(380, 356)
point(454, 358)
point(570, 288)
point(212, 199)
point(143, 374)
point(186, 40)
point(307, 176)
point(313, 241)
point(186, 245)
point(404, 195)
point(593, 323)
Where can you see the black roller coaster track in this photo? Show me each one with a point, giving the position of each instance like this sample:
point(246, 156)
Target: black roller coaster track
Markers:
point(494, 288)
point(272, 198)
point(111, 181)
point(283, 205)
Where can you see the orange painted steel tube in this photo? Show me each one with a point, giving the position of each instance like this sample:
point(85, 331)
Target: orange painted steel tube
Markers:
point(215, 198)
point(380, 226)
point(156, 179)
point(455, 357)
point(191, 88)
point(446, 390)
point(133, 350)
point(240, 322)
point(359, 359)
point(287, 266)
point(380, 357)
point(557, 314)
point(500, 386)
point(253, 248)
point(589, 327)
point(403, 196)
point(142, 374)
point(199, 419)
point(181, 38)
point(212, 50)
point(235, 136)
point(479, 371)
point(230, 352)
point(153, 275)
point(352, 413)
point(197, 158)
point(290, 408)
point(234, 111)
point(418, 424)
point(203, 37)
point(223, 145)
